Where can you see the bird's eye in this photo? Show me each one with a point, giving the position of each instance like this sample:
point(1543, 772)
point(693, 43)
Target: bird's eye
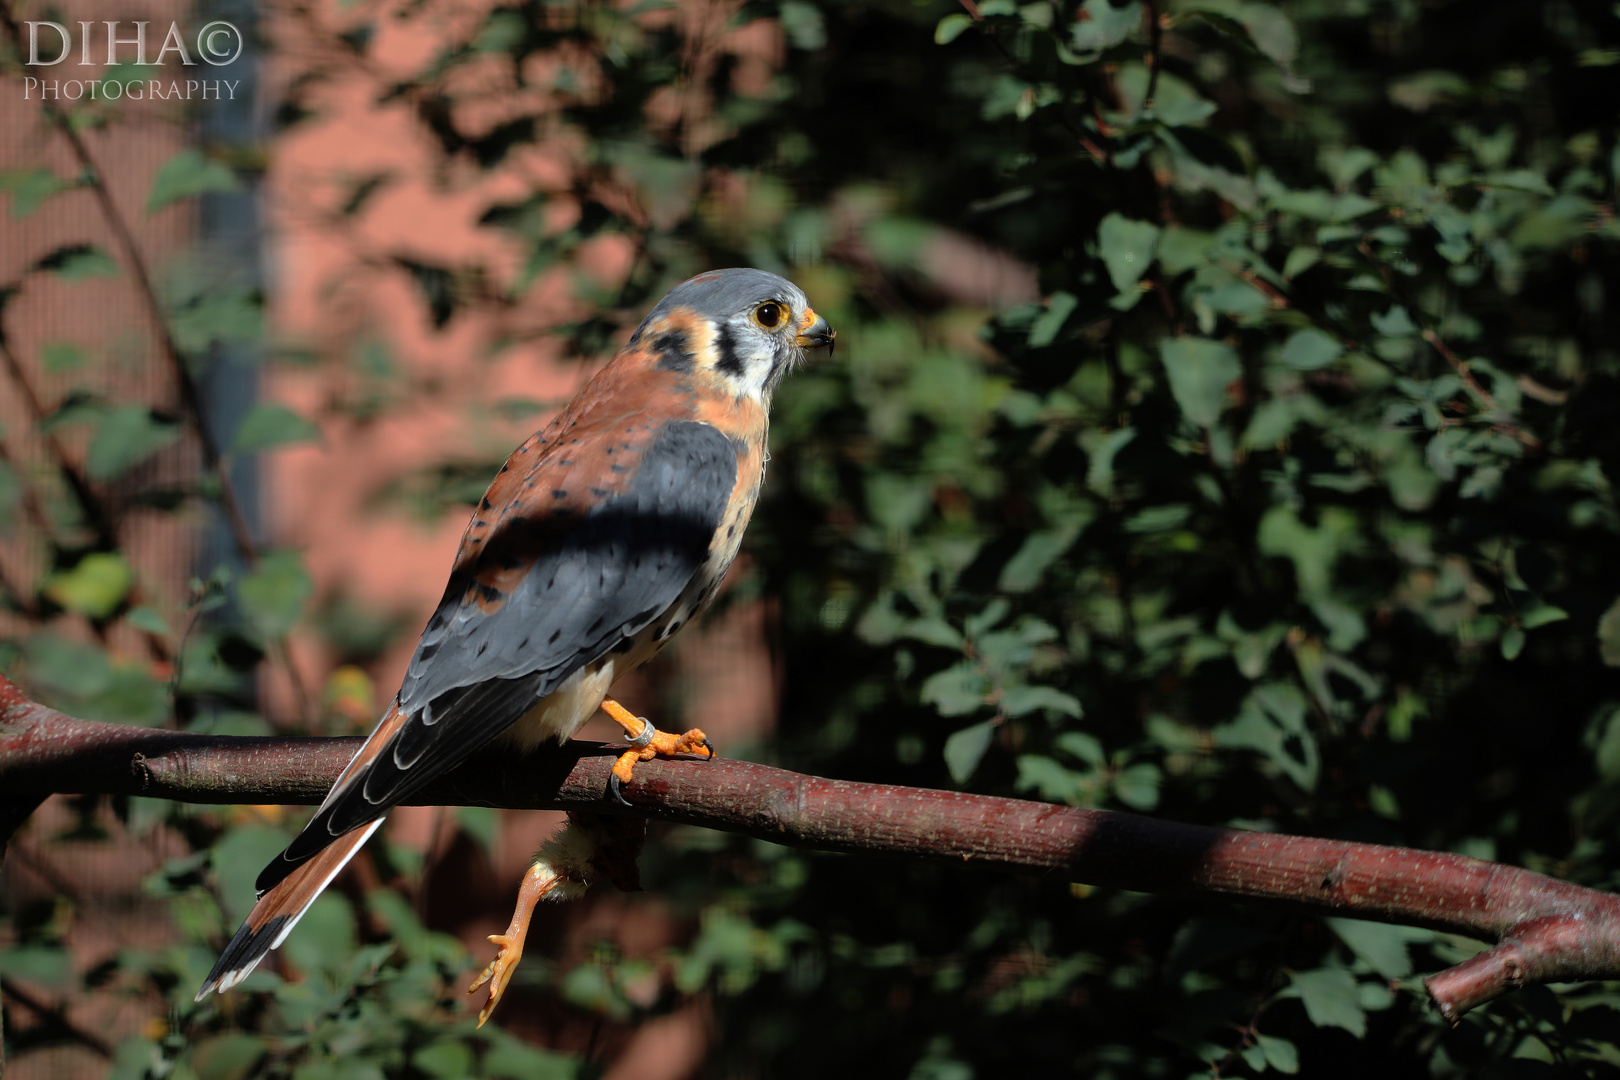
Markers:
point(769, 315)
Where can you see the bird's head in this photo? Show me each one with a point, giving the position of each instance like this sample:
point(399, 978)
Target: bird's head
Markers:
point(744, 329)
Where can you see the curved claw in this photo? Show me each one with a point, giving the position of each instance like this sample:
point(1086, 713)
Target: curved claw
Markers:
point(613, 789)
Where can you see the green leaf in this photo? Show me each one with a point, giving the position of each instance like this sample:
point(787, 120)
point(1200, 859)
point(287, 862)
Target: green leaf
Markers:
point(67, 667)
point(325, 938)
point(1271, 32)
point(1272, 722)
point(1331, 999)
point(29, 188)
point(45, 965)
point(95, 586)
point(11, 497)
point(238, 857)
point(1137, 786)
point(1310, 349)
point(228, 316)
point(1181, 249)
point(1100, 469)
point(1604, 740)
point(503, 31)
point(805, 28)
point(79, 262)
point(1512, 644)
point(1541, 616)
point(1099, 24)
point(1200, 370)
point(1608, 634)
point(1083, 747)
point(1395, 323)
point(188, 174)
point(1263, 25)
point(951, 27)
point(513, 1058)
point(126, 437)
point(588, 987)
point(965, 748)
point(271, 424)
point(148, 620)
point(227, 1057)
point(958, 690)
point(933, 631)
point(1426, 89)
point(274, 594)
point(1280, 1054)
point(1040, 550)
point(1022, 700)
point(446, 1058)
point(1299, 260)
point(1154, 519)
point(1051, 779)
point(1382, 946)
point(59, 357)
point(1127, 249)
point(1044, 330)
point(131, 696)
point(978, 623)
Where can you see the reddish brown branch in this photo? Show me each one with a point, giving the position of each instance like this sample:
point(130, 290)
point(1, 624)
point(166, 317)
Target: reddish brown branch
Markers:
point(1546, 930)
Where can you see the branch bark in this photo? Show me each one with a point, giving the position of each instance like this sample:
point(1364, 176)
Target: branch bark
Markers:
point(1544, 930)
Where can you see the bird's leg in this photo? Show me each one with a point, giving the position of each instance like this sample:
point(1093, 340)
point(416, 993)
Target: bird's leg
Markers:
point(540, 880)
point(647, 742)
point(562, 870)
point(588, 847)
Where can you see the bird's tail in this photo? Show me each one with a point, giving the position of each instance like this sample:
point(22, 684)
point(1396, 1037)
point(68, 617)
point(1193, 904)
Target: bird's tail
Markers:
point(279, 910)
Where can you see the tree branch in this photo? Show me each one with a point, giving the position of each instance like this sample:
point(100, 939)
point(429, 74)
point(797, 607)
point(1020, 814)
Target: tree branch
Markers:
point(1545, 930)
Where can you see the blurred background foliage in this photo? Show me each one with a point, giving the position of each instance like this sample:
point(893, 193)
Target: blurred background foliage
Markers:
point(1221, 428)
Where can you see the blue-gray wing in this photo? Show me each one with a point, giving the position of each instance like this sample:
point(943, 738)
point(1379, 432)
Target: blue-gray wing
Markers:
point(567, 558)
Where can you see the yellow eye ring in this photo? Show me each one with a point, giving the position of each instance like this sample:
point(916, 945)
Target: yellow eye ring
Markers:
point(770, 314)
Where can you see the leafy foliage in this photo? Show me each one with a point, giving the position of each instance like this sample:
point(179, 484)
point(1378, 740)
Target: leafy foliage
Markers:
point(1282, 499)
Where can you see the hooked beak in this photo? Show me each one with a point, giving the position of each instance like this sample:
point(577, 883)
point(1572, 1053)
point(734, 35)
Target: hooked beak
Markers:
point(815, 332)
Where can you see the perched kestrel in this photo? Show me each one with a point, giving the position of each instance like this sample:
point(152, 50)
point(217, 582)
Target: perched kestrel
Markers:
point(601, 537)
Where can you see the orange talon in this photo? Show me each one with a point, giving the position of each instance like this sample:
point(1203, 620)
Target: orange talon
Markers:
point(647, 742)
point(539, 881)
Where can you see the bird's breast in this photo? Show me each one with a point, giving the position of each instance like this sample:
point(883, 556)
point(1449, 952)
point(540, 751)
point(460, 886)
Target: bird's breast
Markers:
point(560, 713)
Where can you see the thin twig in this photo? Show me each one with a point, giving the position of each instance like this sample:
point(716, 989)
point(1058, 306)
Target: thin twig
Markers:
point(94, 511)
point(1461, 367)
point(1154, 57)
point(1272, 293)
point(31, 504)
point(57, 1018)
